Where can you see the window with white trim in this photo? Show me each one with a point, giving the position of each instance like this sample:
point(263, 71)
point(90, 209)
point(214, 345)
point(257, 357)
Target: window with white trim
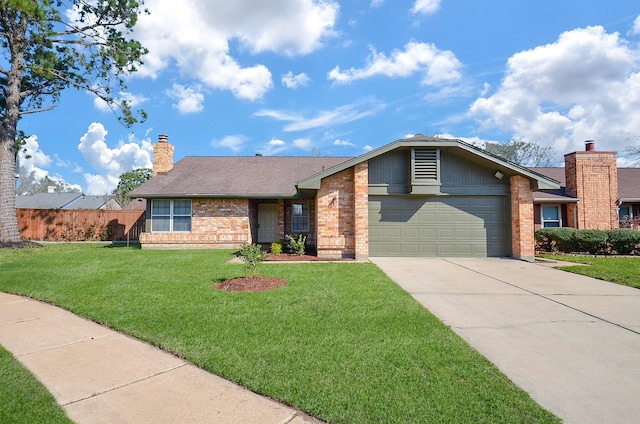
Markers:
point(551, 216)
point(169, 215)
point(300, 217)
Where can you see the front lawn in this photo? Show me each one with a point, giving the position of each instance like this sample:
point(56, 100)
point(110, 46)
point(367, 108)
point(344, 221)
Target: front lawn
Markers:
point(341, 341)
point(621, 270)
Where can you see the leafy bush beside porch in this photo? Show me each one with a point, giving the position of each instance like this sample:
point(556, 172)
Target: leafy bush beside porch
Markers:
point(619, 241)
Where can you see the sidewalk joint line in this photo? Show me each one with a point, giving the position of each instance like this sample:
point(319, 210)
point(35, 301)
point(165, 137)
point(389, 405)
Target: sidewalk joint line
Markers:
point(126, 384)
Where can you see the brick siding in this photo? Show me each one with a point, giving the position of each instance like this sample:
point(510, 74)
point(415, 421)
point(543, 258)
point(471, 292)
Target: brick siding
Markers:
point(593, 177)
point(342, 214)
point(220, 223)
point(522, 222)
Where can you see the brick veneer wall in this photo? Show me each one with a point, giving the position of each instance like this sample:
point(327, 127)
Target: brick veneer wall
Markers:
point(522, 223)
point(342, 215)
point(218, 223)
point(593, 177)
point(162, 155)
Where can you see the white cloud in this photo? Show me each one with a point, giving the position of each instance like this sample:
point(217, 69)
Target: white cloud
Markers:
point(189, 99)
point(377, 3)
point(33, 159)
point(294, 81)
point(339, 142)
point(586, 85)
point(232, 142)
point(426, 7)
point(302, 143)
point(132, 100)
point(111, 162)
point(195, 37)
point(367, 148)
point(273, 147)
point(636, 26)
point(340, 115)
point(437, 66)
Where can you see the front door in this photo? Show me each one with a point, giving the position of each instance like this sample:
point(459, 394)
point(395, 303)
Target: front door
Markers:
point(267, 222)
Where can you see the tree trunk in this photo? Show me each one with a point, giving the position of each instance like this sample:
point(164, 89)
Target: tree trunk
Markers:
point(9, 231)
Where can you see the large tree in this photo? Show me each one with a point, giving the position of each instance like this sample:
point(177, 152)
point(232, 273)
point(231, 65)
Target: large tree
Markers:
point(129, 181)
point(523, 152)
point(48, 46)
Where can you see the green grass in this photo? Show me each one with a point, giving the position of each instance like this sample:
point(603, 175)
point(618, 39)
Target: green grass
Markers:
point(341, 342)
point(621, 270)
point(22, 398)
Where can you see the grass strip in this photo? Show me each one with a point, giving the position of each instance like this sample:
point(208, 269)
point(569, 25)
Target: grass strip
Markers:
point(616, 269)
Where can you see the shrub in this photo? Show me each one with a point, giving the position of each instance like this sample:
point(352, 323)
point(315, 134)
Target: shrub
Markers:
point(252, 255)
point(623, 240)
point(556, 239)
point(276, 247)
point(592, 241)
point(297, 245)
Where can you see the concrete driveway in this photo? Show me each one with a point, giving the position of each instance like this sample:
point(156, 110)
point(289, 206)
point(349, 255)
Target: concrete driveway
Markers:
point(571, 342)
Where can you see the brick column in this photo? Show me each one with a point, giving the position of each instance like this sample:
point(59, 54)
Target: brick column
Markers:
point(335, 210)
point(522, 225)
point(361, 216)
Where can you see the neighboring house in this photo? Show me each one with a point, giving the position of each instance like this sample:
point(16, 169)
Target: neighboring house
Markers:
point(66, 201)
point(594, 193)
point(420, 196)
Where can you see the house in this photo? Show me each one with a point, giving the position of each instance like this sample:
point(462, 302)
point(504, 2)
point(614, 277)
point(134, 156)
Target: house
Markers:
point(66, 201)
point(594, 193)
point(420, 196)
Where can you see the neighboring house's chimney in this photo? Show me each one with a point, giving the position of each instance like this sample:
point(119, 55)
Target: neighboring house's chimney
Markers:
point(162, 155)
point(593, 177)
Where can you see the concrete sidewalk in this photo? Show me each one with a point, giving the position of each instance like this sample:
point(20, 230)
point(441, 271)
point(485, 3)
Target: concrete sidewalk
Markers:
point(571, 342)
point(101, 376)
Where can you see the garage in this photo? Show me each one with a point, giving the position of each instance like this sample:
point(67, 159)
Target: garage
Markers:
point(468, 226)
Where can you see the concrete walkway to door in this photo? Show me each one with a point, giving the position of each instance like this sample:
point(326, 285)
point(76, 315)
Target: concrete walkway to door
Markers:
point(571, 342)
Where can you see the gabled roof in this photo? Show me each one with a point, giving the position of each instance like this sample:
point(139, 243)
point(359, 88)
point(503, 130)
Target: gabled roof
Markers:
point(471, 152)
point(235, 176)
point(61, 201)
point(46, 200)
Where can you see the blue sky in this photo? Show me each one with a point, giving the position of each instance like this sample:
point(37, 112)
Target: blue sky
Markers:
point(337, 78)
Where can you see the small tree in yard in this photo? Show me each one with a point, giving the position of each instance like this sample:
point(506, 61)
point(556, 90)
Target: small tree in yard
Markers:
point(252, 255)
point(129, 181)
point(48, 46)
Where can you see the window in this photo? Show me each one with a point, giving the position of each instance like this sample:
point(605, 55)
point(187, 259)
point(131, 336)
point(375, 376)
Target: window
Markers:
point(170, 215)
point(300, 217)
point(624, 213)
point(551, 216)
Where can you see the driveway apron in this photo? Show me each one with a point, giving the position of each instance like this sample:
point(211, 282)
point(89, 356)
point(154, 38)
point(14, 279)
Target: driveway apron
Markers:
point(572, 342)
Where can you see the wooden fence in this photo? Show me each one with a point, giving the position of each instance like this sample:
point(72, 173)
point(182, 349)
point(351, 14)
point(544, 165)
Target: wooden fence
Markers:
point(79, 225)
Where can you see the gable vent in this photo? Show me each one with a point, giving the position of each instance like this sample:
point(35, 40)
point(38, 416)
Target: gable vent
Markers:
point(425, 164)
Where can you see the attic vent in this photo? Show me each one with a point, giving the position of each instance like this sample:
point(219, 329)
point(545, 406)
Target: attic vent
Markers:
point(425, 164)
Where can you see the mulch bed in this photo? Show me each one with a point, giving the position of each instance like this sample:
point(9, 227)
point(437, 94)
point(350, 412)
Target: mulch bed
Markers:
point(18, 244)
point(291, 257)
point(254, 284)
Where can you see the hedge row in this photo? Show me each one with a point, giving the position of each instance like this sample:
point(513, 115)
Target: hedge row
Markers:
point(621, 241)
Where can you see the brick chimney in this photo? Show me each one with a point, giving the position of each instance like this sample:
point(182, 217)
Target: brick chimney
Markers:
point(593, 177)
point(162, 155)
